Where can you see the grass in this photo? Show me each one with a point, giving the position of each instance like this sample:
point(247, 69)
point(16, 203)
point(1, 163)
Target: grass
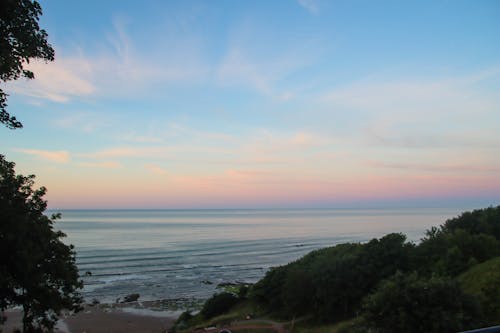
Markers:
point(483, 281)
point(481, 276)
point(312, 327)
point(238, 313)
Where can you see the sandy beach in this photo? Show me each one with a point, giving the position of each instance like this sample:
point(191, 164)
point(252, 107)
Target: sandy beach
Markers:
point(127, 318)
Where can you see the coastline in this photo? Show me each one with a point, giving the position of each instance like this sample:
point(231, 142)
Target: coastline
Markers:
point(155, 254)
point(133, 317)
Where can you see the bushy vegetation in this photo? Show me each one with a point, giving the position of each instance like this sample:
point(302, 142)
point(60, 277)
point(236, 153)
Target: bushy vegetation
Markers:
point(330, 283)
point(218, 304)
point(216, 307)
point(410, 303)
point(447, 282)
point(460, 243)
point(483, 280)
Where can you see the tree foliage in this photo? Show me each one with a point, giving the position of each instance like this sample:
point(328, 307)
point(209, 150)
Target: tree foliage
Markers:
point(330, 283)
point(408, 303)
point(21, 40)
point(218, 304)
point(37, 270)
point(460, 243)
point(483, 280)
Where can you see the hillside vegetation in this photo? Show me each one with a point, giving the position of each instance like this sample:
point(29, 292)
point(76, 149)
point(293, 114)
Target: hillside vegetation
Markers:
point(446, 283)
point(483, 280)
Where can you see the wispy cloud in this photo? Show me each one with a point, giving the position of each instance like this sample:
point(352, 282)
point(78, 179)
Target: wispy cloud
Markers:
point(104, 165)
point(265, 74)
point(156, 169)
point(237, 69)
point(127, 70)
point(199, 147)
point(189, 133)
point(303, 138)
point(119, 70)
point(138, 138)
point(440, 168)
point(171, 133)
point(127, 152)
point(82, 121)
point(282, 143)
point(422, 140)
point(59, 156)
point(414, 99)
point(310, 5)
point(57, 81)
point(439, 112)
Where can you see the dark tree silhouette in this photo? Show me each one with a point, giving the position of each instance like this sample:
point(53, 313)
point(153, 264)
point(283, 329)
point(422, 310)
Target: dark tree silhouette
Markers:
point(21, 39)
point(37, 270)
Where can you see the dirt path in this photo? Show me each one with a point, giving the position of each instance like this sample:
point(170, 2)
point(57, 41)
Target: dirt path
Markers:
point(278, 327)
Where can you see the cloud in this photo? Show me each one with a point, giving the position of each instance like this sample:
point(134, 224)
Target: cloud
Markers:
point(439, 112)
point(104, 165)
point(156, 169)
point(422, 140)
point(414, 99)
point(310, 5)
point(58, 81)
point(281, 143)
point(189, 133)
point(127, 70)
point(190, 148)
point(163, 133)
point(118, 70)
point(247, 174)
point(59, 156)
point(126, 152)
point(237, 69)
point(265, 74)
point(136, 138)
point(303, 138)
point(82, 121)
point(441, 168)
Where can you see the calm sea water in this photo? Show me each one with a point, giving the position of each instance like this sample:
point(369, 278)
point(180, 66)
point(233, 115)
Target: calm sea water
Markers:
point(169, 254)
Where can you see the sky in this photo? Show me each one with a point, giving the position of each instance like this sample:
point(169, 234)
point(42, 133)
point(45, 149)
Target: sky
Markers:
point(262, 104)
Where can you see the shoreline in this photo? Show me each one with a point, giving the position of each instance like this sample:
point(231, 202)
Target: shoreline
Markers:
point(132, 317)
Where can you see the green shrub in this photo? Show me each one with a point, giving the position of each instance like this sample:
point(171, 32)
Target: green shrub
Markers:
point(218, 304)
point(409, 303)
point(483, 280)
point(460, 243)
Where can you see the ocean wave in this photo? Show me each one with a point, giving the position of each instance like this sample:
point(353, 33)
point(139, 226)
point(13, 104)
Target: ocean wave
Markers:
point(123, 277)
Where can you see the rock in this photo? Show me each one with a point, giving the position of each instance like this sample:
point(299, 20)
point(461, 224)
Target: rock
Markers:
point(130, 298)
point(207, 282)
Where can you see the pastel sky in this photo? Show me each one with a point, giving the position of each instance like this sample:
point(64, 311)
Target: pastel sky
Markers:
point(308, 103)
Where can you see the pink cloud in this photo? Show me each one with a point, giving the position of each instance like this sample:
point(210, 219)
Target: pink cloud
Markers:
point(59, 156)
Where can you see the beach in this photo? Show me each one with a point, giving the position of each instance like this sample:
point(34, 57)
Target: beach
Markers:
point(133, 317)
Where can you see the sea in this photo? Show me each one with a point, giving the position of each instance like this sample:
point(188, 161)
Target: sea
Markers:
point(187, 254)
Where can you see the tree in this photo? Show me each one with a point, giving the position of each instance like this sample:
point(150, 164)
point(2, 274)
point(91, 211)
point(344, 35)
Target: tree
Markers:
point(330, 283)
point(218, 304)
point(409, 303)
point(297, 292)
point(460, 243)
point(21, 40)
point(37, 270)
